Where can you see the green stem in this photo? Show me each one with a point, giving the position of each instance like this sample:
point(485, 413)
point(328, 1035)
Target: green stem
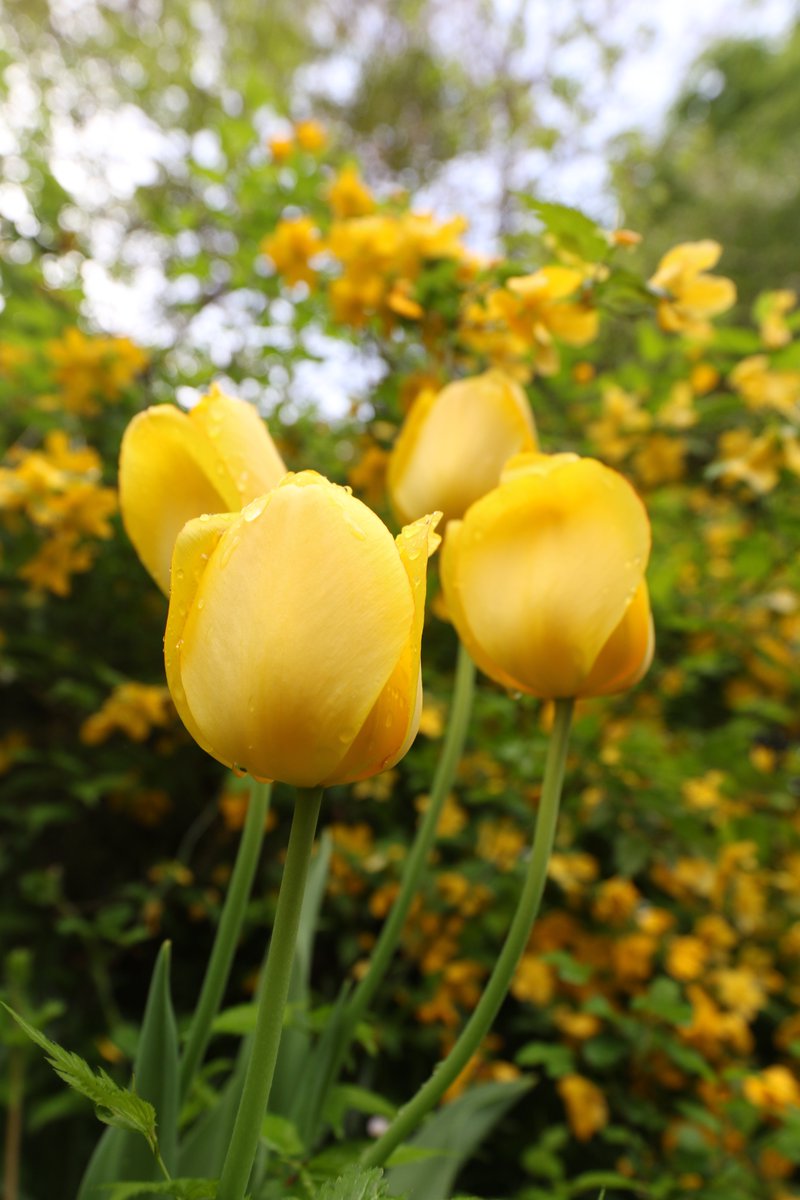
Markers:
point(219, 964)
point(452, 749)
point(497, 987)
point(273, 992)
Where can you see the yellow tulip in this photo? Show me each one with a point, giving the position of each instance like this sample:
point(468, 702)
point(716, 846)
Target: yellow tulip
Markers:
point(453, 444)
point(544, 579)
point(175, 465)
point(293, 638)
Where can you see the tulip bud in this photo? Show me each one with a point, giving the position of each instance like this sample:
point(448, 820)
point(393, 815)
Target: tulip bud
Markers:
point(293, 638)
point(453, 444)
point(544, 579)
point(175, 465)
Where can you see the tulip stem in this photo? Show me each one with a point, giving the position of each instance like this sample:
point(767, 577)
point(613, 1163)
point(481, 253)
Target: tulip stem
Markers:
point(452, 749)
point(497, 987)
point(272, 1002)
point(228, 930)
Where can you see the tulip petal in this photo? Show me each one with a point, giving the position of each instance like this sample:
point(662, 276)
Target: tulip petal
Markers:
point(195, 544)
point(392, 725)
point(545, 565)
point(457, 613)
point(242, 446)
point(176, 465)
point(166, 476)
point(627, 654)
point(454, 443)
point(300, 618)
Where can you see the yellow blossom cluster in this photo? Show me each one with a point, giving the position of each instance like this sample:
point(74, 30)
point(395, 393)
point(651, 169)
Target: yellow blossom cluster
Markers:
point(135, 709)
point(93, 371)
point(308, 135)
point(518, 326)
point(56, 493)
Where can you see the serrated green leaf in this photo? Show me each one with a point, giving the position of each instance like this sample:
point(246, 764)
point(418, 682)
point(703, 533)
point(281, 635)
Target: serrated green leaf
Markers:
point(113, 1105)
point(357, 1183)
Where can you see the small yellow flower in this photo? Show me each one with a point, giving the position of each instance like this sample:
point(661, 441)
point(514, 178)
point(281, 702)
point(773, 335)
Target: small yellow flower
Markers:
point(686, 958)
point(763, 388)
point(349, 196)
point(134, 709)
point(92, 371)
point(753, 461)
point(616, 901)
point(281, 148)
point(500, 843)
point(771, 308)
point(311, 135)
point(775, 1088)
point(295, 241)
point(534, 981)
point(703, 378)
point(687, 295)
point(587, 1109)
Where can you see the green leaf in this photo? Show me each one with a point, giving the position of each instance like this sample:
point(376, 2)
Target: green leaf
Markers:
point(178, 1189)
point(571, 228)
point(356, 1184)
point(556, 1060)
point(203, 1148)
point(605, 1179)
point(237, 1021)
point(568, 968)
point(118, 1155)
point(348, 1096)
point(664, 999)
point(455, 1131)
point(113, 1105)
point(281, 1135)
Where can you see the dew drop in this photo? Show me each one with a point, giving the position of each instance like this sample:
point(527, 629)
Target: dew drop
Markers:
point(238, 771)
point(255, 509)
point(200, 603)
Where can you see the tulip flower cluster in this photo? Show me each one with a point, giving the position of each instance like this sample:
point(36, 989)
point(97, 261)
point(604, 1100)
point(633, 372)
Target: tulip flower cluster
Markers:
point(294, 632)
point(543, 574)
point(295, 621)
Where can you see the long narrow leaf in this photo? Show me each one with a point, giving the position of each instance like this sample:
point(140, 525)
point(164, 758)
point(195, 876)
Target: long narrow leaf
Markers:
point(455, 1131)
point(120, 1155)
